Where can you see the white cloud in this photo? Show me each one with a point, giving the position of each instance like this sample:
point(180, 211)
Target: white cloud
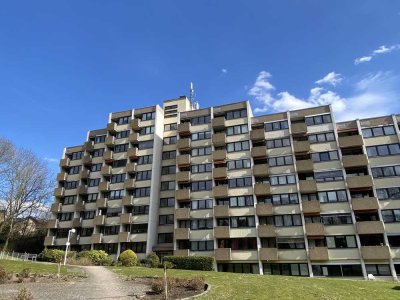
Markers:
point(381, 50)
point(363, 59)
point(330, 78)
point(224, 71)
point(51, 160)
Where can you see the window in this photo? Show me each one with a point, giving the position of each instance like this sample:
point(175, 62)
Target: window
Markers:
point(236, 114)
point(92, 197)
point(201, 151)
point(76, 155)
point(321, 137)
point(110, 230)
point(378, 270)
point(148, 116)
point(242, 222)
point(165, 238)
point(118, 178)
point(239, 164)
point(141, 210)
point(110, 248)
point(142, 192)
point(394, 241)
point(278, 143)
point(201, 224)
point(337, 270)
point(388, 193)
point(279, 125)
point(98, 152)
point(240, 182)
point(69, 185)
point(86, 231)
point(282, 179)
point(341, 241)
point(332, 196)
point(65, 216)
point(281, 199)
point(137, 247)
point(286, 269)
point(143, 175)
point(335, 219)
point(201, 185)
point(201, 204)
point(383, 150)
point(68, 200)
point(166, 170)
point(119, 163)
point(238, 146)
point(74, 170)
point(328, 176)
point(281, 220)
point(99, 139)
point(170, 140)
point(317, 120)
point(146, 159)
point(325, 156)
point(280, 161)
point(167, 185)
point(389, 171)
point(239, 201)
point(89, 214)
point(123, 120)
point(201, 245)
point(95, 168)
point(146, 144)
point(169, 127)
point(238, 268)
point(146, 130)
point(137, 228)
point(166, 220)
point(203, 168)
point(391, 215)
point(167, 202)
point(169, 155)
point(121, 148)
point(378, 131)
point(113, 212)
point(200, 120)
point(285, 243)
point(237, 129)
point(122, 134)
point(116, 194)
point(201, 135)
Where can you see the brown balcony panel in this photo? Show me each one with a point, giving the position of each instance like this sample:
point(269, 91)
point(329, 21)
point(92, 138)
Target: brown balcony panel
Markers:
point(112, 127)
point(219, 156)
point(259, 152)
point(98, 220)
point(265, 231)
point(105, 170)
point(181, 252)
point(182, 213)
point(264, 209)
point(101, 202)
point(355, 161)
point(62, 177)
point(183, 144)
point(220, 173)
point(221, 211)
point(64, 163)
point(82, 189)
point(183, 160)
point(268, 254)
point(219, 139)
point(221, 232)
point(299, 128)
point(59, 192)
point(370, 227)
point(350, 141)
point(79, 205)
point(55, 207)
point(222, 254)
point(315, 229)
point(123, 237)
point(218, 123)
point(359, 182)
point(126, 218)
point(104, 186)
point(110, 141)
point(182, 233)
point(301, 146)
point(182, 195)
point(96, 238)
point(108, 156)
point(184, 129)
point(76, 222)
point(312, 207)
point(135, 124)
point(87, 160)
point(183, 177)
point(129, 184)
point(365, 204)
point(318, 254)
point(375, 252)
point(257, 134)
point(127, 200)
point(261, 170)
point(262, 189)
point(133, 153)
point(304, 165)
point(307, 186)
point(130, 168)
point(84, 174)
point(53, 223)
point(134, 138)
point(220, 191)
point(88, 146)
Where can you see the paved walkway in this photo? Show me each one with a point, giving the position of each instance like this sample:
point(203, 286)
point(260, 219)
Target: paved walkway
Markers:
point(101, 284)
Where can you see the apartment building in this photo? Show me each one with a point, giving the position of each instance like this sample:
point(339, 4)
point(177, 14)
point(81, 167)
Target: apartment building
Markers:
point(291, 193)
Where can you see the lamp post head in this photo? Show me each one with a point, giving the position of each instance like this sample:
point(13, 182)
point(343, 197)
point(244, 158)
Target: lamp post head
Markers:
point(73, 230)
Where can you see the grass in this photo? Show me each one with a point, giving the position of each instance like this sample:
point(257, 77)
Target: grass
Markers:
point(248, 286)
point(37, 267)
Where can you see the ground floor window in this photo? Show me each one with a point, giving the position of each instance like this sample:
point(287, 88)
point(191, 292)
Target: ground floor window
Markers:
point(378, 270)
point(111, 248)
point(397, 268)
point(337, 270)
point(137, 247)
point(239, 268)
point(286, 269)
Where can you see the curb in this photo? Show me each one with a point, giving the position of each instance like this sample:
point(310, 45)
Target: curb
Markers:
point(208, 288)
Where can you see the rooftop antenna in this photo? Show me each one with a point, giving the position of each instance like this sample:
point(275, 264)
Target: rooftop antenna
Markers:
point(194, 104)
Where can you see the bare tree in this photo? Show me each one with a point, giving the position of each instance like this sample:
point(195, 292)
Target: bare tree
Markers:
point(25, 186)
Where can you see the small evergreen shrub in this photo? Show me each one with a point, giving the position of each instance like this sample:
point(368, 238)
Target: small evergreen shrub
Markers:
point(152, 260)
point(97, 257)
point(203, 263)
point(128, 258)
point(52, 255)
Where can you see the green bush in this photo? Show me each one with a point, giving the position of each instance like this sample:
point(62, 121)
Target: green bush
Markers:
point(3, 275)
point(152, 260)
point(97, 257)
point(128, 258)
point(203, 263)
point(52, 255)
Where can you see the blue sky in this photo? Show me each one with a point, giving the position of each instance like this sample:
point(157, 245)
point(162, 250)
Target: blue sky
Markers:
point(75, 61)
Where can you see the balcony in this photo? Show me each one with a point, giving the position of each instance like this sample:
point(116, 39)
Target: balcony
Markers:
point(96, 238)
point(312, 207)
point(101, 202)
point(49, 240)
point(219, 156)
point(307, 186)
point(315, 229)
point(84, 174)
point(222, 254)
point(301, 146)
point(76, 222)
point(183, 177)
point(359, 182)
point(59, 192)
point(299, 128)
point(265, 231)
point(105, 171)
point(259, 152)
point(261, 170)
point(126, 218)
point(221, 211)
point(221, 232)
point(108, 156)
point(127, 201)
point(79, 205)
point(182, 233)
point(350, 141)
point(264, 209)
point(257, 134)
point(183, 144)
point(220, 191)
point(55, 207)
point(184, 129)
point(131, 168)
point(61, 177)
point(133, 153)
point(219, 139)
point(64, 163)
point(182, 213)
point(218, 123)
point(355, 161)
point(82, 189)
point(99, 220)
point(183, 160)
point(104, 186)
point(318, 254)
point(306, 165)
point(135, 124)
point(182, 195)
point(129, 183)
point(365, 204)
point(123, 237)
point(87, 160)
point(181, 252)
point(112, 127)
point(268, 254)
point(262, 189)
point(134, 138)
point(53, 223)
point(110, 141)
point(375, 252)
point(220, 173)
point(88, 146)
point(370, 227)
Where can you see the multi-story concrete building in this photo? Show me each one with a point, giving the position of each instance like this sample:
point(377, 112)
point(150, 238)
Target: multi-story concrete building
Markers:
point(291, 193)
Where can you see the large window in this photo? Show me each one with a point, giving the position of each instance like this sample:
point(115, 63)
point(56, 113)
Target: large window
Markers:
point(148, 116)
point(140, 210)
point(282, 179)
point(337, 270)
point(278, 143)
point(201, 151)
point(236, 114)
point(388, 171)
point(165, 238)
point(281, 199)
point(167, 185)
point(121, 148)
point(95, 167)
point(201, 224)
point(99, 139)
point(237, 129)
point(325, 156)
point(378, 131)
point(341, 241)
point(166, 170)
point(142, 192)
point(239, 164)
point(239, 182)
point(378, 270)
point(168, 155)
point(203, 168)
point(76, 155)
point(239, 201)
point(238, 146)
point(391, 215)
point(321, 137)
point(335, 219)
point(143, 175)
point(122, 134)
point(123, 120)
point(279, 125)
point(286, 269)
point(146, 144)
point(289, 243)
point(201, 245)
point(383, 150)
point(74, 170)
point(110, 230)
point(388, 193)
point(167, 202)
point(146, 130)
point(69, 185)
point(137, 247)
point(171, 140)
point(119, 163)
point(317, 120)
point(281, 220)
point(201, 135)
point(166, 220)
point(200, 120)
point(328, 176)
point(332, 196)
point(242, 222)
point(280, 161)
point(201, 185)
point(118, 178)
point(68, 200)
point(169, 127)
point(147, 159)
point(116, 194)
point(65, 216)
point(201, 204)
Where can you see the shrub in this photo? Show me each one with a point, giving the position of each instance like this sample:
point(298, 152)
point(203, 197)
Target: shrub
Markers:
point(3, 275)
point(203, 263)
point(152, 260)
point(157, 285)
point(25, 272)
point(128, 258)
point(24, 294)
point(52, 255)
point(97, 257)
point(196, 283)
point(82, 261)
point(168, 265)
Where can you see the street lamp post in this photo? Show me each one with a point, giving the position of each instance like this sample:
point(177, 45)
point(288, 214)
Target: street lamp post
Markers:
point(67, 244)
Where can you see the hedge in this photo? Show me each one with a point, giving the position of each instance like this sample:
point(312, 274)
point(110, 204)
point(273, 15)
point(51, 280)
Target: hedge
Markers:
point(52, 255)
point(203, 263)
point(128, 258)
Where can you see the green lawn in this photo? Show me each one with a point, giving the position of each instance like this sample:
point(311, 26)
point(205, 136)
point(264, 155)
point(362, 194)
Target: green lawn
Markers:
point(38, 267)
point(246, 286)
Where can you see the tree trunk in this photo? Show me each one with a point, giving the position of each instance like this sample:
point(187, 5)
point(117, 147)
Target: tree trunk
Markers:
point(8, 235)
